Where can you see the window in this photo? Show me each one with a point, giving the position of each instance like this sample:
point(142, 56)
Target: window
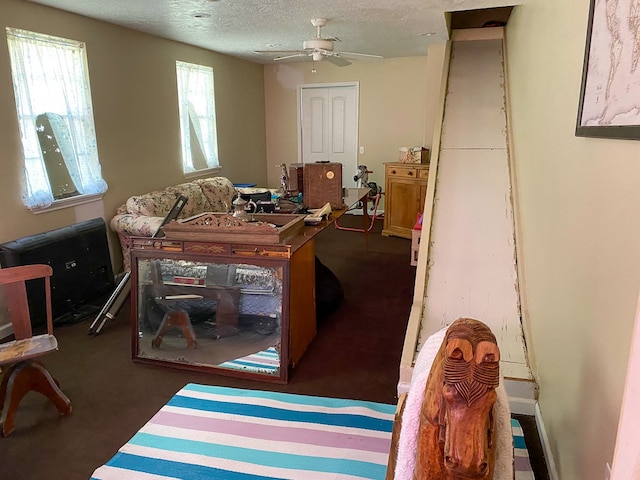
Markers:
point(197, 117)
point(53, 101)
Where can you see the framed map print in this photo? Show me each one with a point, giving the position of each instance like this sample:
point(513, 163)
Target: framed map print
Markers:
point(610, 93)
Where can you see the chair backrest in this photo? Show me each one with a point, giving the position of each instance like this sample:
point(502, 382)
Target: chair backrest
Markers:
point(12, 282)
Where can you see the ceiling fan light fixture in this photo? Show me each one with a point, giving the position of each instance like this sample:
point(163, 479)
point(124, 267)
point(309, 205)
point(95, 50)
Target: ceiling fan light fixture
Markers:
point(318, 48)
point(318, 43)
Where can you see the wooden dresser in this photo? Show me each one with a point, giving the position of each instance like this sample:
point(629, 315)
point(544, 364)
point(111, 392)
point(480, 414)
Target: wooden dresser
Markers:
point(405, 190)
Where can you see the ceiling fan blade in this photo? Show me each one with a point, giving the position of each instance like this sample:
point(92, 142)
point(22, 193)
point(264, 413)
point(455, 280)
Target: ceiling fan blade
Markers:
point(360, 56)
point(276, 52)
point(337, 60)
point(293, 55)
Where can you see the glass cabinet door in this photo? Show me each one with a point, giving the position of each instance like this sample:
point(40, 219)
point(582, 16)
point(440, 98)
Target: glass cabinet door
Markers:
point(225, 316)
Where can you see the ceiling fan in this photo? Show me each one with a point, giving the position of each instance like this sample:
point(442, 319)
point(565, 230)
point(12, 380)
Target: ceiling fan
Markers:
point(319, 48)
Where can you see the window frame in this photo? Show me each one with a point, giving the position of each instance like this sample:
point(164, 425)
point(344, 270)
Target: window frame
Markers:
point(68, 98)
point(196, 100)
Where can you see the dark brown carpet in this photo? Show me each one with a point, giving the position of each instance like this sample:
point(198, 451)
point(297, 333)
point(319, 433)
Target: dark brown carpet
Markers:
point(356, 354)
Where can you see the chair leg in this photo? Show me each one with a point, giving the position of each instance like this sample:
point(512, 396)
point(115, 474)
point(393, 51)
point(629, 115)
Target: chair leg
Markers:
point(176, 319)
point(3, 385)
point(22, 378)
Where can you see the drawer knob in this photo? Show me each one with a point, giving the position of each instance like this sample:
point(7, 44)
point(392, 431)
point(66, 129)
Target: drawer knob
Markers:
point(393, 172)
point(410, 173)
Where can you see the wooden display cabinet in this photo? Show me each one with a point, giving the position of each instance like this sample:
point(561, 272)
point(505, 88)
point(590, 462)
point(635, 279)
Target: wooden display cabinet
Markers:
point(231, 297)
point(405, 191)
point(243, 310)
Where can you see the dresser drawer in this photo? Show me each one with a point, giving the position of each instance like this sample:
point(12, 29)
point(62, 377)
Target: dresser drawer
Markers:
point(274, 251)
point(207, 248)
point(402, 171)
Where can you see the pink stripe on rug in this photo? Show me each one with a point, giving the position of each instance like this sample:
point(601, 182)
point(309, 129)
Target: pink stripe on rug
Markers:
point(301, 435)
point(521, 464)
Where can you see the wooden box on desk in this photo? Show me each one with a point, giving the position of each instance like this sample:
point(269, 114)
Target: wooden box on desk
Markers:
point(322, 184)
point(296, 178)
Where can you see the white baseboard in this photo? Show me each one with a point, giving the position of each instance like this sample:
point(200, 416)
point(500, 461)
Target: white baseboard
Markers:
point(546, 447)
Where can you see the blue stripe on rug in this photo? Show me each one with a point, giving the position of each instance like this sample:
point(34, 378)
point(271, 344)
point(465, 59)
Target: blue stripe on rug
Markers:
point(270, 352)
point(291, 398)
point(183, 471)
point(263, 458)
point(260, 411)
point(518, 442)
point(262, 361)
point(243, 364)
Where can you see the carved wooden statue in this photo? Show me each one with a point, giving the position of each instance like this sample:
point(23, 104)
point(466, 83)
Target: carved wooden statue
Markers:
point(456, 436)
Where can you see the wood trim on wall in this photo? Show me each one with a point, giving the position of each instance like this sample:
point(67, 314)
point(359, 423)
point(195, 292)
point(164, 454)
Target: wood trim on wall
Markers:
point(415, 315)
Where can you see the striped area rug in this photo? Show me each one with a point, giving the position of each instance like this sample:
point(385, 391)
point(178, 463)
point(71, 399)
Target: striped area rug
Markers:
point(208, 432)
point(522, 465)
point(266, 361)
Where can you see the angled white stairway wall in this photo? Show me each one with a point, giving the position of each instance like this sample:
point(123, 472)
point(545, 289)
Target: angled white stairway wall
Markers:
point(468, 267)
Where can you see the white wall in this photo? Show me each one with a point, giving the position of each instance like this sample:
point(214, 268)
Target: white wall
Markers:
point(578, 209)
point(393, 95)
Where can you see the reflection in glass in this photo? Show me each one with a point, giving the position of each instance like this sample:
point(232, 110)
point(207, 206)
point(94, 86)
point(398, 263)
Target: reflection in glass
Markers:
point(210, 314)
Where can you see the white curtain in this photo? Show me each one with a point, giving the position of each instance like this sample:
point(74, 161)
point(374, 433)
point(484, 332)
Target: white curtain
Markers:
point(50, 76)
point(197, 116)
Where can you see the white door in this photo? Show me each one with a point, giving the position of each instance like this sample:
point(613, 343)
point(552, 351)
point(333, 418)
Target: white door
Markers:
point(328, 125)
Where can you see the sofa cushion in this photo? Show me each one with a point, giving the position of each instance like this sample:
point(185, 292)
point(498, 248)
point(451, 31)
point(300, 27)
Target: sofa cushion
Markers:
point(219, 192)
point(196, 201)
point(152, 204)
point(159, 202)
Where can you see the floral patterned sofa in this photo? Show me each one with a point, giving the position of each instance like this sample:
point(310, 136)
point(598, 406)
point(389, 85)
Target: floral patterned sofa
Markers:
point(142, 215)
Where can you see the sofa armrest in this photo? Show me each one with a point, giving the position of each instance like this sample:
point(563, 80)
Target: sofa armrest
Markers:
point(135, 225)
point(126, 226)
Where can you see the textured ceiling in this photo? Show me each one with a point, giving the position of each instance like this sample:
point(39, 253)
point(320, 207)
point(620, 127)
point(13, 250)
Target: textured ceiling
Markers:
point(390, 28)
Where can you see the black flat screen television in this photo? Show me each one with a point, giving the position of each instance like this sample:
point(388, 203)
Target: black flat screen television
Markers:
point(82, 273)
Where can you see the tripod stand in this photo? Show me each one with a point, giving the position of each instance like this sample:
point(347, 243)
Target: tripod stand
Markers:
point(120, 294)
point(375, 193)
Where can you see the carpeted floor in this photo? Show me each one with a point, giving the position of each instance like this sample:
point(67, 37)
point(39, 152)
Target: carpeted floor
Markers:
point(355, 355)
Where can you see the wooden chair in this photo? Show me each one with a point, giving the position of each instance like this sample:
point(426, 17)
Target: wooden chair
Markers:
point(174, 299)
point(24, 372)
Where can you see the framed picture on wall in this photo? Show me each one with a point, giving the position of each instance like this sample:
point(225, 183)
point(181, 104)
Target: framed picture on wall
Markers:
point(610, 93)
